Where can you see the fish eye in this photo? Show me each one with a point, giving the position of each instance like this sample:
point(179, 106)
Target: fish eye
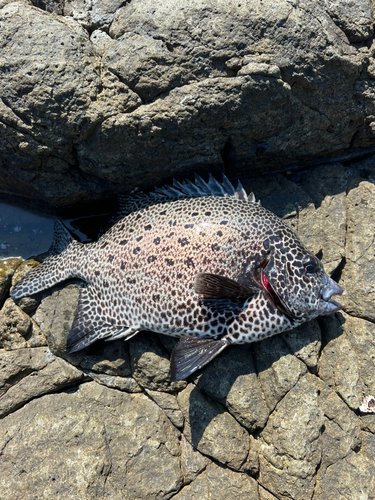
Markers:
point(310, 267)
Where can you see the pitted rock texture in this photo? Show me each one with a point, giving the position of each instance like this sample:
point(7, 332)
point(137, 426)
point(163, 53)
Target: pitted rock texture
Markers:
point(274, 420)
point(98, 97)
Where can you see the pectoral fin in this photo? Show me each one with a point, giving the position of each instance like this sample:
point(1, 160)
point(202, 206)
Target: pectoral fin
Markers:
point(192, 353)
point(213, 286)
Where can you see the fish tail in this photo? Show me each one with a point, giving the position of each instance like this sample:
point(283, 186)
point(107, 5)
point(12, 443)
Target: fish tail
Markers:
point(55, 268)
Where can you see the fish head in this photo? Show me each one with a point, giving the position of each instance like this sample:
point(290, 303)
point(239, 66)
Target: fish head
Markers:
point(294, 279)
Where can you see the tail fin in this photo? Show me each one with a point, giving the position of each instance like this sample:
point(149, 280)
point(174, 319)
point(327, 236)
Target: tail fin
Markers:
point(55, 269)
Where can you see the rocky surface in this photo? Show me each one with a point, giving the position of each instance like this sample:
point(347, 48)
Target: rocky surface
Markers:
point(99, 96)
point(277, 419)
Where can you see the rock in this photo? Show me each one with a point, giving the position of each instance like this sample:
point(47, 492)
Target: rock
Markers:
point(338, 365)
point(358, 274)
point(278, 370)
point(192, 462)
point(113, 442)
point(22, 269)
point(150, 364)
point(97, 97)
point(216, 482)
point(291, 449)
point(17, 330)
point(7, 269)
point(15, 365)
point(55, 375)
point(232, 381)
point(169, 405)
point(55, 317)
point(126, 384)
point(211, 430)
point(341, 433)
point(351, 477)
point(304, 341)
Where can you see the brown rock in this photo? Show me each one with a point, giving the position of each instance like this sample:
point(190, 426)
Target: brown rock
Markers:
point(211, 430)
point(169, 405)
point(358, 274)
point(291, 449)
point(7, 269)
point(17, 330)
point(231, 380)
point(192, 462)
point(221, 484)
point(278, 370)
point(114, 444)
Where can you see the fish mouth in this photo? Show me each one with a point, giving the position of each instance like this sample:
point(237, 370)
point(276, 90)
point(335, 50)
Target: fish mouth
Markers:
point(329, 305)
point(272, 295)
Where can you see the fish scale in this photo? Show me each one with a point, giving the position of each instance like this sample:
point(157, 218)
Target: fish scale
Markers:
point(203, 262)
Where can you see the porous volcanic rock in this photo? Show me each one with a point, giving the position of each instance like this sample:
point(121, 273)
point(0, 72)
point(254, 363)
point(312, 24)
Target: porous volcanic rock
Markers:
point(98, 97)
point(278, 419)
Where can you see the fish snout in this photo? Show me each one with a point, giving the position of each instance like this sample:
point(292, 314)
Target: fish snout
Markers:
point(331, 288)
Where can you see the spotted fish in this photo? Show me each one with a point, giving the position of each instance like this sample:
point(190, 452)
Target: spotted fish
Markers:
point(200, 261)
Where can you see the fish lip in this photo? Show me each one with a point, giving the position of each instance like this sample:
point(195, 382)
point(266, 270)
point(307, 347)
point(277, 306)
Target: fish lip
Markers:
point(331, 288)
point(331, 306)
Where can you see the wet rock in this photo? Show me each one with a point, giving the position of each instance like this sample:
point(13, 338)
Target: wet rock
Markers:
point(150, 363)
point(358, 276)
point(291, 443)
point(278, 370)
point(192, 462)
point(216, 482)
point(168, 403)
point(17, 330)
point(7, 269)
point(110, 440)
point(55, 375)
point(232, 381)
point(21, 270)
point(211, 430)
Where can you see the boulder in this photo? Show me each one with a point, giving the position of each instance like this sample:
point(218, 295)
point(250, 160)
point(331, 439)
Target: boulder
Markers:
point(98, 97)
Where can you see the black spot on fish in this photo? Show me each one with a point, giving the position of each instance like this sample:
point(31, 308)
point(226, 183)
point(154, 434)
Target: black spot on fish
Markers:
point(96, 259)
point(194, 214)
point(183, 241)
point(223, 222)
point(189, 262)
point(106, 284)
point(170, 235)
point(169, 262)
point(97, 273)
point(188, 226)
point(215, 247)
point(219, 233)
point(122, 265)
point(104, 245)
point(123, 242)
point(110, 258)
point(139, 238)
point(157, 241)
point(163, 212)
point(151, 259)
point(148, 227)
point(207, 213)
point(131, 281)
point(136, 250)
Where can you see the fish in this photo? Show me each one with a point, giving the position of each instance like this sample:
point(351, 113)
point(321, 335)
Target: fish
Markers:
point(200, 261)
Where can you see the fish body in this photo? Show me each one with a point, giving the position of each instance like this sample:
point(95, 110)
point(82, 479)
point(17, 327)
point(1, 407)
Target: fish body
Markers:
point(214, 269)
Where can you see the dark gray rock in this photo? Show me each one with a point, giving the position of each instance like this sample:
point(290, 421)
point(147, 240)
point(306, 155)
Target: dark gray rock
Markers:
point(101, 98)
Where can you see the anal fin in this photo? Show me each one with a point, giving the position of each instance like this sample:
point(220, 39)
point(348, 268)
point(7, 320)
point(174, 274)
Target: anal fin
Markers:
point(89, 327)
point(192, 353)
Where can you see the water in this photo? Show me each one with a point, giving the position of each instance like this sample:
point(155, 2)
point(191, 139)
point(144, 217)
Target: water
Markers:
point(26, 234)
point(23, 233)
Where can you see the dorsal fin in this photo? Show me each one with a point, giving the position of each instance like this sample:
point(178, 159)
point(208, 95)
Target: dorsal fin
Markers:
point(179, 190)
point(199, 187)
